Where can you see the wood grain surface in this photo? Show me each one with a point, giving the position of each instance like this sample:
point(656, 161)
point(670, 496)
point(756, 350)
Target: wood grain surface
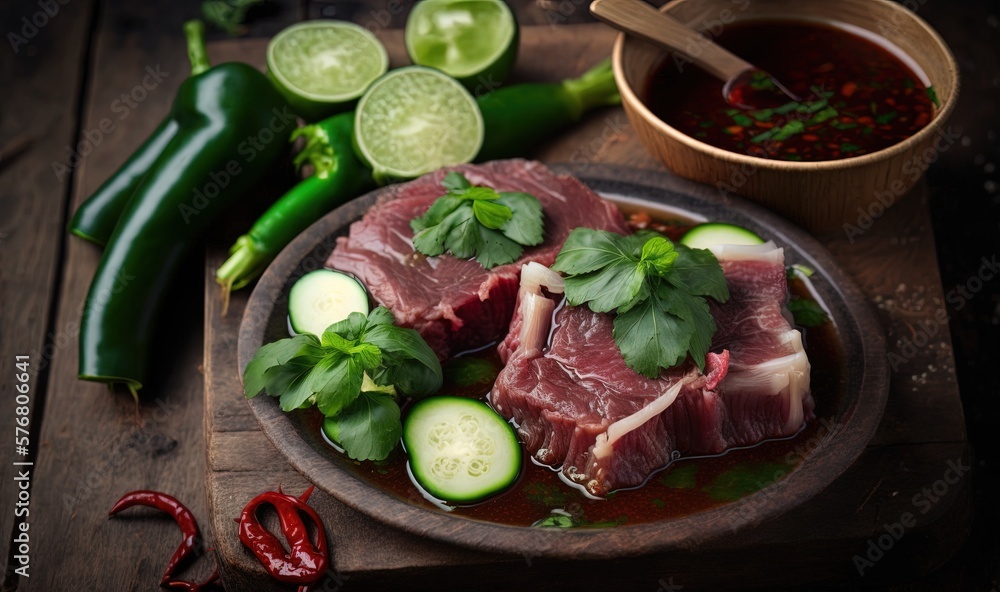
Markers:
point(36, 124)
point(911, 450)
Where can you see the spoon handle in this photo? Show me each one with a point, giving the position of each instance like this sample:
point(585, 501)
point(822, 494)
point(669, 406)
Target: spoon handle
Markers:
point(644, 21)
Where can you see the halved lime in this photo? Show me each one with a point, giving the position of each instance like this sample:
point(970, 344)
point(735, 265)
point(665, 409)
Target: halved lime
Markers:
point(474, 41)
point(415, 120)
point(322, 67)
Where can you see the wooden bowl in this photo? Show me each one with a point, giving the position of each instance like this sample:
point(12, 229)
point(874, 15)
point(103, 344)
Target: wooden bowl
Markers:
point(846, 421)
point(822, 196)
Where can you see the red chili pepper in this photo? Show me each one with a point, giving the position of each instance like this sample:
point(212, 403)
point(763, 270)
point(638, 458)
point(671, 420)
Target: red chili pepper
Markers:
point(181, 515)
point(306, 563)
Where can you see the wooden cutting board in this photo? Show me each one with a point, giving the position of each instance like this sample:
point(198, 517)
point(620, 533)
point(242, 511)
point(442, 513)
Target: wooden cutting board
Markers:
point(901, 510)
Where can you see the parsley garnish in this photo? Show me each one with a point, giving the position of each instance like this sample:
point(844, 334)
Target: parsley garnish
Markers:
point(351, 374)
point(657, 288)
point(476, 221)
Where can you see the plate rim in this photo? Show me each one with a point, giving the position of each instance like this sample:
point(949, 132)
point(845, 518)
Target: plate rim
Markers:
point(862, 416)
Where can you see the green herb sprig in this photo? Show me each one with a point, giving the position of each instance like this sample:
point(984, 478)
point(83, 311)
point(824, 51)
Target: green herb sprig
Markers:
point(476, 221)
point(657, 288)
point(351, 374)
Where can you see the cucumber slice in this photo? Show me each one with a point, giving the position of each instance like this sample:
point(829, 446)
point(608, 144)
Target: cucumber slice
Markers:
point(460, 450)
point(323, 297)
point(707, 235)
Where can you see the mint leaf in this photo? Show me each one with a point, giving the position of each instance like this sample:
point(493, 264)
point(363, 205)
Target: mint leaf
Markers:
point(288, 381)
point(476, 221)
point(369, 428)
point(491, 214)
point(330, 373)
point(658, 253)
point(408, 362)
point(336, 381)
point(277, 354)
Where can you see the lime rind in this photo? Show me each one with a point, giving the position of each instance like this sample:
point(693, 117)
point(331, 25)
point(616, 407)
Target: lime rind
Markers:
point(415, 120)
point(321, 66)
point(474, 41)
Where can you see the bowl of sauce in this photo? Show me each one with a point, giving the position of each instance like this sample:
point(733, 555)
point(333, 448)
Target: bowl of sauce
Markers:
point(876, 85)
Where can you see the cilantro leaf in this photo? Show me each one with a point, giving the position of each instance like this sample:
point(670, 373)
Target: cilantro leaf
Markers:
point(368, 428)
point(807, 313)
point(588, 250)
point(331, 372)
point(656, 288)
point(649, 336)
point(490, 214)
point(455, 181)
point(477, 221)
point(526, 210)
point(697, 271)
point(497, 249)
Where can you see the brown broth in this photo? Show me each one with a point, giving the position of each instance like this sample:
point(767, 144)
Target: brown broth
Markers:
point(858, 96)
point(686, 486)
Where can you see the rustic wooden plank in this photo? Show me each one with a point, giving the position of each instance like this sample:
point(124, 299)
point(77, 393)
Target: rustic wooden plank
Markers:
point(92, 450)
point(849, 514)
point(41, 66)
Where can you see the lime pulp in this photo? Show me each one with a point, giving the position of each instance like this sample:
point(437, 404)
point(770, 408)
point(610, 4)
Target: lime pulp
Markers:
point(474, 41)
point(415, 120)
point(321, 67)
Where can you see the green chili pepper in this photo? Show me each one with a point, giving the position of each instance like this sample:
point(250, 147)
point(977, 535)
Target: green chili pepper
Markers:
point(338, 176)
point(96, 218)
point(232, 126)
point(517, 118)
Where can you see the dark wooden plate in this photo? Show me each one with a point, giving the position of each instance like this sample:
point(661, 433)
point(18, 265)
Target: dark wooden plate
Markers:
point(850, 424)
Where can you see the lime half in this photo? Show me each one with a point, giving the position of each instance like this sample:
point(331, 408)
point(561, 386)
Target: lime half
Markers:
point(322, 67)
point(415, 120)
point(474, 41)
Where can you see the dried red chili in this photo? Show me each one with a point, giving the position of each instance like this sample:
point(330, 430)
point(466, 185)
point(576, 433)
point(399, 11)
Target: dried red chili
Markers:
point(306, 562)
point(180, 514)
point(189, 528)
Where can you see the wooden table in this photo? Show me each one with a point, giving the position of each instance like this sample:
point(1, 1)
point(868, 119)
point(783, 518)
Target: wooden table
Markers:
point(88, 448)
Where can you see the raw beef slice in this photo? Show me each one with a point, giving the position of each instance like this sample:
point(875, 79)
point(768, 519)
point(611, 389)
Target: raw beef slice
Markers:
point(578, 406)
point(455, 304)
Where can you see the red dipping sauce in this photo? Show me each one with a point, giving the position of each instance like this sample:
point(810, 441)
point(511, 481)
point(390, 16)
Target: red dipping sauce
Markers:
point(859, 94)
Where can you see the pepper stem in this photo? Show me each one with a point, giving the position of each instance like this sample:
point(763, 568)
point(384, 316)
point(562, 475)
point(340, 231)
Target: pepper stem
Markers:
point(596, 88)
point(194, 33)
point(245, 262)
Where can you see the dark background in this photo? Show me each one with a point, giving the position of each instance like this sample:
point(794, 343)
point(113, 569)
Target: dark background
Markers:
point(964, 183)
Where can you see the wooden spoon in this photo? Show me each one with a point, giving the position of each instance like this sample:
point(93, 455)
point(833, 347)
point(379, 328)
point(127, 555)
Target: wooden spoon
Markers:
point(745, 86)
